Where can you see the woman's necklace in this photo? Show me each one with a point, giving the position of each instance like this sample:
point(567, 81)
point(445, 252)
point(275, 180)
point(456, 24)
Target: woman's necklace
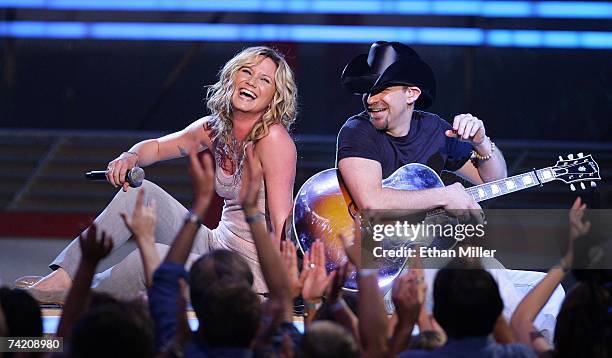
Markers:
point(233, 153)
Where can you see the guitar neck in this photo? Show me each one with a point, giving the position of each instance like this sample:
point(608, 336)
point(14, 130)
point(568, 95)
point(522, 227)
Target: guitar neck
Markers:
point(511, 184)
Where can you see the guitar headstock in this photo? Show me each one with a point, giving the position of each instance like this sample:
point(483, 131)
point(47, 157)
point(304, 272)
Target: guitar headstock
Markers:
point(579, 169)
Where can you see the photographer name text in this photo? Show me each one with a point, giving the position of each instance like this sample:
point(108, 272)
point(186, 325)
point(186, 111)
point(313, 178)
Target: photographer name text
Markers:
point(432, 252)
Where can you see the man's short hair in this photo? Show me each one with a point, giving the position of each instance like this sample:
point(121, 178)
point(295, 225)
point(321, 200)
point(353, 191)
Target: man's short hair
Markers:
point(467, 302)
point(229, 314)
point(328, 339)
point(214, 266)
point(428, 340)
point(114, 330)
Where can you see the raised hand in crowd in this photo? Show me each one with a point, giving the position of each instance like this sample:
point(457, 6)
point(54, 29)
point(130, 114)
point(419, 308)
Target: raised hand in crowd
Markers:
point(202, 176)
point(577, 227)
point(251, 182)
point(296, 278)
point(275, 275)
point(202, 173)
point(339, 309)
point(373, 321)
point(525, 313)
point(282, 279)
point(142, 226)
point(94, 248)
point(316, 277)
point(426, 321)
point(166, 285)
point(335, 287)
point(408, 294)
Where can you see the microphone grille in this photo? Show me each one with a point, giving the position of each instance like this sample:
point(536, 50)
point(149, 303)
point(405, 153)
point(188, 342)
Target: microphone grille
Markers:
point(135, 177)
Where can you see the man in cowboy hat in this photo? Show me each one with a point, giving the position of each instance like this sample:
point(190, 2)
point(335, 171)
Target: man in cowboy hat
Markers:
point(395, 83)
point(392, 132)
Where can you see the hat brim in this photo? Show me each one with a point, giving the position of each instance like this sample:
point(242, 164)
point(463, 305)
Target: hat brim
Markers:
point(359, 78)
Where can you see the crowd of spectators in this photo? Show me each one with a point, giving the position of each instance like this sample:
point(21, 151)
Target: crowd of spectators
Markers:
point(233, 321)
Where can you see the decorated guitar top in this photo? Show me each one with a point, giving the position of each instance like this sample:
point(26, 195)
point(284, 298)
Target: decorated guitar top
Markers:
point(324, 209)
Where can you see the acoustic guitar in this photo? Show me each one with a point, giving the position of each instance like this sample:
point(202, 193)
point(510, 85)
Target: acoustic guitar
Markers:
point(323, 208)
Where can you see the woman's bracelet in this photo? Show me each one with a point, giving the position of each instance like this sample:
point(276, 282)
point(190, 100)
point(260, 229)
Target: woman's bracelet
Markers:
point(133, 153)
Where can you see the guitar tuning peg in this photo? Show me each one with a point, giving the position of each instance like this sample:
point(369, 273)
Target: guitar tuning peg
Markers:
point(572, 187)
point(582, 186)
point(570, 156)
point(580, 155)
point(593, 184)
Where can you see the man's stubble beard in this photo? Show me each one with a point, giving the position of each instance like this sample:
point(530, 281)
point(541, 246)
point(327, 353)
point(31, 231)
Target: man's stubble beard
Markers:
point(384, 128)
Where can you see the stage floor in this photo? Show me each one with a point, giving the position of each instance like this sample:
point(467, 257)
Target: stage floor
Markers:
point(31, 256)
point(51, 318)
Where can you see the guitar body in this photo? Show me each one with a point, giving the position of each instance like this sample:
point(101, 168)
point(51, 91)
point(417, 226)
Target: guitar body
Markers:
point(324, 210)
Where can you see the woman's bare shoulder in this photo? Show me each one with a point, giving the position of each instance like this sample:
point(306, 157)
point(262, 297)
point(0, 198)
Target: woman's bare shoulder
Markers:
point(277, 134)
point(277, 144)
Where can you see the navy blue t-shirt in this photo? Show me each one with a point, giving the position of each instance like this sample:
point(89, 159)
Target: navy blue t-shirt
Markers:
point(425, 143)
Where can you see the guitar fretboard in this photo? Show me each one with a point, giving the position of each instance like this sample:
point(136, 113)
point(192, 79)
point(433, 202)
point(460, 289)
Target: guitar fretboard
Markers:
point(511, 184)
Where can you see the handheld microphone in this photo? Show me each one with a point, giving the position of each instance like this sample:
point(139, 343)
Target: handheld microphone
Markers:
point(134, 176)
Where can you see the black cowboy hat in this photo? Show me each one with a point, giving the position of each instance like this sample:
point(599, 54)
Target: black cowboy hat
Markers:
point(390, 64)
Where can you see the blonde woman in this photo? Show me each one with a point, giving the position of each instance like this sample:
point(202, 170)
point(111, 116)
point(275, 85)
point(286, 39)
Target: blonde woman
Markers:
point(254, 102)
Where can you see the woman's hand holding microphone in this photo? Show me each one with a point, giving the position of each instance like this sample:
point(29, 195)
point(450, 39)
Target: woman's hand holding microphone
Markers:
point(118, 168)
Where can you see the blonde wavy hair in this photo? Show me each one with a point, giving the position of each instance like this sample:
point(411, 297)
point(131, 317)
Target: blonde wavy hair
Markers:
point(282, 109)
